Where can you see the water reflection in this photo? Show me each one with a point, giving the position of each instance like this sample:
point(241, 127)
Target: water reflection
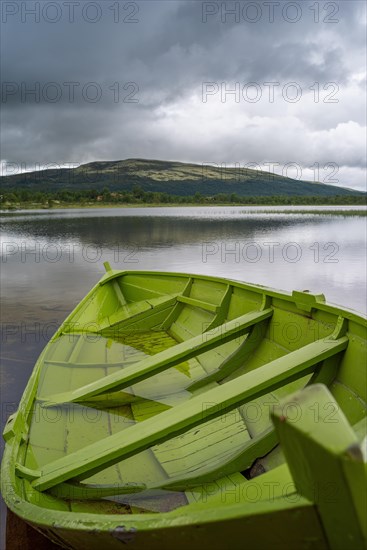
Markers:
point(50, 259)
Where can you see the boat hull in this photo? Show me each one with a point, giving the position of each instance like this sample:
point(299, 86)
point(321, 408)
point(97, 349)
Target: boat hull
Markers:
point(272, 509)
point(291, 522)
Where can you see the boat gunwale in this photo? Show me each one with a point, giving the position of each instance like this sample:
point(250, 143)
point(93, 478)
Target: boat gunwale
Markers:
point(184, 516)
point(260, 289)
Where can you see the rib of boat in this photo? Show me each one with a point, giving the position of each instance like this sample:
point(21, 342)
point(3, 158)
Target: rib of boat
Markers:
point(175, 411)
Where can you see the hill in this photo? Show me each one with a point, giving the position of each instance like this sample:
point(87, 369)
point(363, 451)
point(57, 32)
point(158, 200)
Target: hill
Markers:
point(175, 178)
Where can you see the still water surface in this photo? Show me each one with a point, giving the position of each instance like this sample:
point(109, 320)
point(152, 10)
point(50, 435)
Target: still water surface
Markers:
point(50, 259)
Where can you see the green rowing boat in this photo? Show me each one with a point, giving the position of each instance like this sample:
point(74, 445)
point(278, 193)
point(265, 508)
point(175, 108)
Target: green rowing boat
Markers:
point(175, 410)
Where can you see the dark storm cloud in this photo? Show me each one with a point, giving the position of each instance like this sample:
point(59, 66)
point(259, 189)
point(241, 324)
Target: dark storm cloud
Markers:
point(109, 90)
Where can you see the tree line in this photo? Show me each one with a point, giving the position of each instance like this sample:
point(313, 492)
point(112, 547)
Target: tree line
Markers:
point(138, 196)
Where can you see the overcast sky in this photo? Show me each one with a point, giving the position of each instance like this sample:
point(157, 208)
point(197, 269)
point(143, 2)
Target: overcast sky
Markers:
point(113, 80)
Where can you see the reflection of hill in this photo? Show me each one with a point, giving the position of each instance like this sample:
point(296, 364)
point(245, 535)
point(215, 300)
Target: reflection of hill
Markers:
point(175, 178)
point(155, 231)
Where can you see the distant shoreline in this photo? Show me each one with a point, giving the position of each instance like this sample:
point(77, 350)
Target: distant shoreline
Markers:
point(348, 209)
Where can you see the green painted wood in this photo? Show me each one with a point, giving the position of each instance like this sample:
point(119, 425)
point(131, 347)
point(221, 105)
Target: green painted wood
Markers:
point(110, 275)
point(211, 404)
point(79, 365)
point(236, 461)
point(175, 312)
point(10, 426)
point(306, 301)
point(88, 491)
point(293, 524)
point(120, 296)
point(353, 372)
point(164, 360)
point(77, 348)
point(236, 359)
point(203, 447)
point(326, 464)
point(198, 303)
point(222, 312)
point(327, 372)
point(26, 473)
point(127, 316)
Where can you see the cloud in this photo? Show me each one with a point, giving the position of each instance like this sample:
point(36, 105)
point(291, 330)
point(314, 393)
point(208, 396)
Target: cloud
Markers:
point(118, 88)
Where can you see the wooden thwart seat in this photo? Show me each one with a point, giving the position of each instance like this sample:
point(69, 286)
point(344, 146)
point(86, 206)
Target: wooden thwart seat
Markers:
point(181, 418)
point(157, 363)
point(198, 303)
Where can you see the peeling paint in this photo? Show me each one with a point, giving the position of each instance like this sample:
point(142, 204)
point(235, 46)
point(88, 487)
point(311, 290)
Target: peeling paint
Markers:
point(124, 535)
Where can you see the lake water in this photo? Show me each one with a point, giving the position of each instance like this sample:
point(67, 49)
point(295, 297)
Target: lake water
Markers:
point(50, 259)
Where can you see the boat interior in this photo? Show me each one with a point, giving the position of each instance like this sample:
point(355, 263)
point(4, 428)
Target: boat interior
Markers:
point(156, 393)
